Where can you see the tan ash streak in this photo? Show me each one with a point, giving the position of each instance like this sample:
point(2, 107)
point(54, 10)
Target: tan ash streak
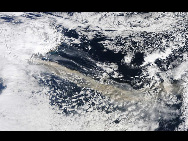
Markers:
point(114, 92)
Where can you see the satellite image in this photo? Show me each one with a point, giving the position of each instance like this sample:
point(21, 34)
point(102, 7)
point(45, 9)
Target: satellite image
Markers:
point(93, 71)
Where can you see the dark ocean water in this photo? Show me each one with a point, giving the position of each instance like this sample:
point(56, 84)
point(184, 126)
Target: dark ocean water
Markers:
point(81, 58)
point(1, 86)
point(91, 50)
